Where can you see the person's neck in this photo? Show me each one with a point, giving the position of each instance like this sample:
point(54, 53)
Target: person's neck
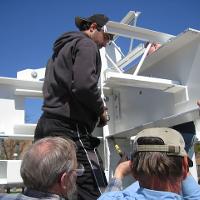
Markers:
point(55, 189)
point(87, 33)
point(154, 183)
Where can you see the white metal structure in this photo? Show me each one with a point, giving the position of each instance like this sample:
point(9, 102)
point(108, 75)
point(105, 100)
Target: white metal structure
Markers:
point(160, 90)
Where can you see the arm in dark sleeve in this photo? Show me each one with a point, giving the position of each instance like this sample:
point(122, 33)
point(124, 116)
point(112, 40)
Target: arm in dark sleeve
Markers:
point(86, 76)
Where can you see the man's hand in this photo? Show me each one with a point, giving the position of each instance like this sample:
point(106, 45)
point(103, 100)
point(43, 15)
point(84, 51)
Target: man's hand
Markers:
point(103, 118)
point(123, 169)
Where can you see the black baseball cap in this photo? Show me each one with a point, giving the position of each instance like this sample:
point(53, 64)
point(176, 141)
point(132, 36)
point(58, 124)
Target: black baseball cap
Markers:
point(100, 19)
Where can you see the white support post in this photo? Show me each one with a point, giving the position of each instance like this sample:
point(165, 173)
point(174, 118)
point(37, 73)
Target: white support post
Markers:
point(134, 24)
point(142, 60)
point(113, 63)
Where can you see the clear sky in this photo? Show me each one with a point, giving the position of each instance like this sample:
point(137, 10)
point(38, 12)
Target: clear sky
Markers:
point(28, 28)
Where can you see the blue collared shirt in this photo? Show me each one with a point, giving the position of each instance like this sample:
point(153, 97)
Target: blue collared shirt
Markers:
point(190, 191)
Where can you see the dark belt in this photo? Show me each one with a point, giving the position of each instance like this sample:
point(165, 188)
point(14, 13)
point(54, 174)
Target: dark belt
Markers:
point(72, 125)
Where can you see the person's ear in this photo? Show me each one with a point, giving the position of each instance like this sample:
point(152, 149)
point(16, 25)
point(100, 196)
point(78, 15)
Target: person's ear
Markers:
point(132, 171)
point(64, 181)
point(93, 27)
point(185, 167)
point(131, 164)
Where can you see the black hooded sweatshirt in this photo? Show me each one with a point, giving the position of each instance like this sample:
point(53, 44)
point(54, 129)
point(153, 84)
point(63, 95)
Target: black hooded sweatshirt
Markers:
point(71, 80)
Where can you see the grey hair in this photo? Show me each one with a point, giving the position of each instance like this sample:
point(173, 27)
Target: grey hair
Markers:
point(46, 159)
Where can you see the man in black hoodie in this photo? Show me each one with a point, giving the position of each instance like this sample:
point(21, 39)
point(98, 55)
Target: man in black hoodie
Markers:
point(72, 101)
